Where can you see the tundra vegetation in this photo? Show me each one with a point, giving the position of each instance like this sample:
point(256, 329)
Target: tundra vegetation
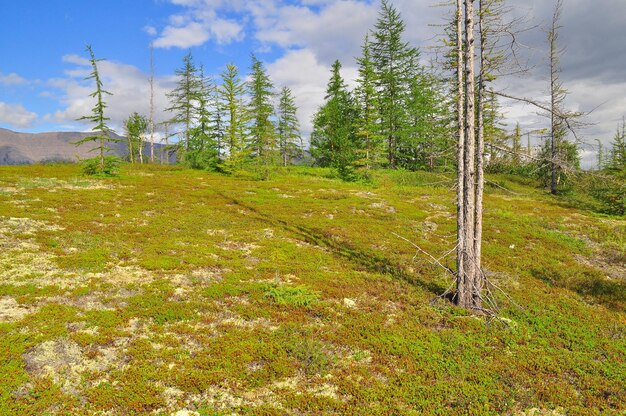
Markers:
point(236, 282)
point(168, 288)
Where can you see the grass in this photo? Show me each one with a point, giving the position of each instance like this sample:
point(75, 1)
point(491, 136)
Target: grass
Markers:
point(168, 289)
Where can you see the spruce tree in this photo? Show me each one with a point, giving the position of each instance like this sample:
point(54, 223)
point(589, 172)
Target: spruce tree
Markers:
point(393, 65)
point(232, 93)
point(263, 141)
point(102, 164)
point(333, 140)
point(289, 139)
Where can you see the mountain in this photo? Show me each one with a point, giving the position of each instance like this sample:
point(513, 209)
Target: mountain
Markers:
point(26, 148)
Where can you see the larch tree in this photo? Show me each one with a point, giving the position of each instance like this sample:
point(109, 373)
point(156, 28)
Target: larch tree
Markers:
point(202, 152)
point(617, 155)
point(263, 141)
point(393, 60)
point(217, 122)
point(333, 138)
point(232, 93)
point(102, 164)
point(371, 146)
point(183, 100)
point(288, 128)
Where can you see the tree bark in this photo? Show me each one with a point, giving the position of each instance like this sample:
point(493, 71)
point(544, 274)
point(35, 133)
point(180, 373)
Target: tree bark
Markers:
point(480, 147)
point(460, 154)
point(466, 295)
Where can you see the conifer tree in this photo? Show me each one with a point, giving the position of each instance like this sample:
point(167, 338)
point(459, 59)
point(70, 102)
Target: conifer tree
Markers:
point(183, 99)
point(232, 93)
point(617, 156)
point(102, 164)
point(202, 152)
point(394, 68)
point(263, 141)
point(516, 146)
point(289, 139)
point(217, 123)
point(427, 130)
point(333, 140)
point(371, 149)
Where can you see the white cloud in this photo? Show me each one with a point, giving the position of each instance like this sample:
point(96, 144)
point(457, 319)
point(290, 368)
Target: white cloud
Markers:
point(196, 25)
point(130, 88)
point(150, 30)
point(16, 115)
point(11, 79)
point(307, 78)
point(193, 34)
point(336, 31)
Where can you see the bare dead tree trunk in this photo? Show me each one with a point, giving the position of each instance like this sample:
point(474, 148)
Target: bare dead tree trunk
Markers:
point(151, 104)
point(460, 152)
point(468, 280)
point(556, 93)
point(480, 147)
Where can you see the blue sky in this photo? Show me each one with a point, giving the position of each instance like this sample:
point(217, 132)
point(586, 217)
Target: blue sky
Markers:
point(42, 44)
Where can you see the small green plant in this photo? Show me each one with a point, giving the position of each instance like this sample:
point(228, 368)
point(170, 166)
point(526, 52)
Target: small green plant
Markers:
point(291, 296)
point(95, 167)
point(310, 354)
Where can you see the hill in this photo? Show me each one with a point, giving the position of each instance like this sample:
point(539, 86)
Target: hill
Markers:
point(26, 148)
point(168, 289)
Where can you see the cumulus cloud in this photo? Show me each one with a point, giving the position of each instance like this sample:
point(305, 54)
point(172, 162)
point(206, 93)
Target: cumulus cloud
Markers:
point(130, 88)
point(16, 115)
point(335, 31)
point(307, 77)
point(193, 34)
point(196, 25)
point(11, 79)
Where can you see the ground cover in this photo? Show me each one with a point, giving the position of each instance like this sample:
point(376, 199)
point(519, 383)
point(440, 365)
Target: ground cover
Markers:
point(169, 290)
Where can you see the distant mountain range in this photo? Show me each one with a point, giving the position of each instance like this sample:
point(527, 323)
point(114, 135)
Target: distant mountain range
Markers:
point(27, 148)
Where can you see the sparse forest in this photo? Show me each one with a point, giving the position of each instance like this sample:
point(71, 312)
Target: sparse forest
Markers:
point(416, 253)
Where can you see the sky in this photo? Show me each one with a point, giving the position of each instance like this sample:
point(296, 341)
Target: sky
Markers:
point(44, 62)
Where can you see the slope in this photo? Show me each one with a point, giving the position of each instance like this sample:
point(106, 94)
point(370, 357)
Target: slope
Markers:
point(169, 289)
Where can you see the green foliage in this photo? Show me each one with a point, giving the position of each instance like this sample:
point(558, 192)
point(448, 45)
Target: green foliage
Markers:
point(333, 140)
point(566, 162)
point(288, 128)
point(291, 296)
point(395, 66)
point(98, 118)
point(370, 147)
point(136, 126)
point(232, 93)
point(263, 140)
point(203, 151)
point(311, 356)
point(617, 156)
point(95, 166)
point(182, 101)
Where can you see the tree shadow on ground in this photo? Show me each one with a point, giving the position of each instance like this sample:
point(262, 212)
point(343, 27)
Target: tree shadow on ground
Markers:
point(368, 260)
